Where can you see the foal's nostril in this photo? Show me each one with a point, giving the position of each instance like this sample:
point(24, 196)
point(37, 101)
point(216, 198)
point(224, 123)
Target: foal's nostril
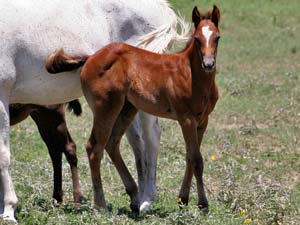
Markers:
point(209, 65)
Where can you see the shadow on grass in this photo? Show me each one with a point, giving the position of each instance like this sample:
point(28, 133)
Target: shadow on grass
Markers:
point(71, 208)
point(160, 212)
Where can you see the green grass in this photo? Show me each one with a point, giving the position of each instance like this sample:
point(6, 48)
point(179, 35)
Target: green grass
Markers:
point(253, 134)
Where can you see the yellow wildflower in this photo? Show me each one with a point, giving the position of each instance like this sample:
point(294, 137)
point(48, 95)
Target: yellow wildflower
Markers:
point(179, 200)
point(213, 158)
point(180, 203)
point(248, 221)
point(243, 212)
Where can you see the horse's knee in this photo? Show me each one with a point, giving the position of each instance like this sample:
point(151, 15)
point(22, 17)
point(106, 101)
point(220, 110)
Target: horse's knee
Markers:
point(156, 129)
point(9, 198)
point(5, 157)
point(93, 151)
point(196, 161)
point(151, 131)
point(70, 153)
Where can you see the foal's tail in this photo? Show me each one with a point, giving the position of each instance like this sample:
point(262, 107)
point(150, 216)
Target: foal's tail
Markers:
point(175, 30)
point(59, 62)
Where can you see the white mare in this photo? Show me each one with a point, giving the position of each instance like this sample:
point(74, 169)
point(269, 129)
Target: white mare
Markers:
point(31, 30)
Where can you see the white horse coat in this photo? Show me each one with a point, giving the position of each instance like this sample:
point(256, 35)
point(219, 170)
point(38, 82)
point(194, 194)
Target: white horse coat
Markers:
point(31, 30)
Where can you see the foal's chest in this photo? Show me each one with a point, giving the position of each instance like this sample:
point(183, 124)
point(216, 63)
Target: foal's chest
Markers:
point(203, 106)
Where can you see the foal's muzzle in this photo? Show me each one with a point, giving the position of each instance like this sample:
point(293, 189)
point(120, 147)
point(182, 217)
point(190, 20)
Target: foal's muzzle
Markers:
point(208, 64)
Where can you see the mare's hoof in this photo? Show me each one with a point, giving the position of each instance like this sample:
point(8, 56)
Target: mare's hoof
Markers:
point(7, 220)
point(145, 206)
point(135, 209)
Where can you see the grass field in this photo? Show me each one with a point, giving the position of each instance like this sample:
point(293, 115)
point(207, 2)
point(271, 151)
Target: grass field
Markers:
point(251, 148)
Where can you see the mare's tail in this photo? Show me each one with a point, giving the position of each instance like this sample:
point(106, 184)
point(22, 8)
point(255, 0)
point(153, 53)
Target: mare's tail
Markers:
point(75, 107)
point(59, 62)
point(165, 36)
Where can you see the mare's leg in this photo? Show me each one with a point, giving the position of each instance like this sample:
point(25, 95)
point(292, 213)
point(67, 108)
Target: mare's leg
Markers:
point(151, 136)
point(144, 137)
point(53, 129)
point(1, 198)
point(70, 153)
point(8, 198)
point(135, 139)
point(194, 163)
point(113, 148)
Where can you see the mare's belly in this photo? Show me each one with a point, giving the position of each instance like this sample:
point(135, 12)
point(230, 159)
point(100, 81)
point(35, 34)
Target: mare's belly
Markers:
point(46, 89)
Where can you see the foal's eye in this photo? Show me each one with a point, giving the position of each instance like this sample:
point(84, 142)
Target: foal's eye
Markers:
point(216, 39)
point(198, 41)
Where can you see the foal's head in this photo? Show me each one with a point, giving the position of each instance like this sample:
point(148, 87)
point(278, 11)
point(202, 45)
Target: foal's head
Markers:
point(207, 36)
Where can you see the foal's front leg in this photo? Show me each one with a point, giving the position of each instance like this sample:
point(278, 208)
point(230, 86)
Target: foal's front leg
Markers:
point(194, 163)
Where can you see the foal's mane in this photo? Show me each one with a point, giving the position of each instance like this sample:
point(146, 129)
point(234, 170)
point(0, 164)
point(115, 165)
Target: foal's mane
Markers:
point(188, 43)
point(206, 16)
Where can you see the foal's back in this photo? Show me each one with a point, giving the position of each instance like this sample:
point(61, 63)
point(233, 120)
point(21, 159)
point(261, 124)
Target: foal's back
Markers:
point(150, 81)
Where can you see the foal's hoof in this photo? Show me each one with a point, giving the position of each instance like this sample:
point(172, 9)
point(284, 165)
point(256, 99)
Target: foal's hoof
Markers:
point(56, 203)
point(145, 206)
point(100, 208)
point(80, 200)
point(204, 209)
point(181, 203)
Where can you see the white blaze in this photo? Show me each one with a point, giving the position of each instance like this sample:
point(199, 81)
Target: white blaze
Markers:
point(206, 33)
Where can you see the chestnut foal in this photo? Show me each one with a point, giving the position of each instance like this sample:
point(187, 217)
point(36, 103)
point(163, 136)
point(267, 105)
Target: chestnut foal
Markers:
point(52, 126)
point(120, 79)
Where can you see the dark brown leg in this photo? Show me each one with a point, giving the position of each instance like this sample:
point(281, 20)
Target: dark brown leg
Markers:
point(52, 127)
point(202, 202)
point(194, 163)
point(19, 112)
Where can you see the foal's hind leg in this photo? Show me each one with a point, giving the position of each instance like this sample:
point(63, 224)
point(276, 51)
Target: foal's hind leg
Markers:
point(105, 110)
point(113, 148)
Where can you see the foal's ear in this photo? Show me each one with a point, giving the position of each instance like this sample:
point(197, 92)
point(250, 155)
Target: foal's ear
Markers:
point(215, 15)
point(196, 16)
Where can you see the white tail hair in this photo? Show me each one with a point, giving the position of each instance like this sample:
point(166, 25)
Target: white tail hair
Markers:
point(175, 30)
